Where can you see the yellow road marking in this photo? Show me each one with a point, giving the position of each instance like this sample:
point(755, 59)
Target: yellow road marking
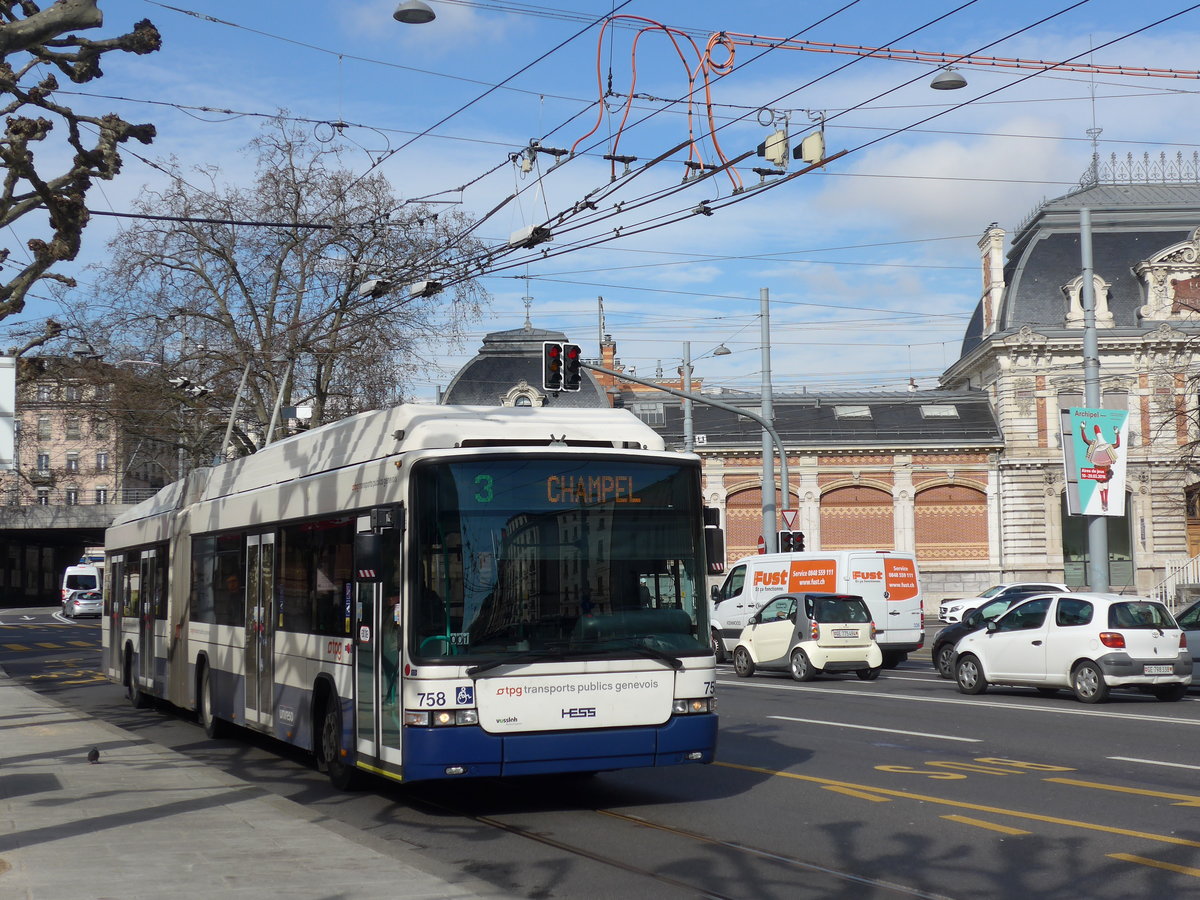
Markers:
point(48, 646)
point(1186, 799)
point(16, 647)
point(861, 795)
point(1170, 867)
point(81, 643)
point(977, 807)
point(991, 826)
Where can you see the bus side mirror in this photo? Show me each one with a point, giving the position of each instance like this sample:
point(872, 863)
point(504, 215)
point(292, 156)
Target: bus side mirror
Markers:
point(715, 593)
point(368, 557)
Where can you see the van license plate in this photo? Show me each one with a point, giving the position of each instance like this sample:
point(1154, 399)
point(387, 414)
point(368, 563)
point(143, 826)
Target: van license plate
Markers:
point(848, 633)
point(1160, 670)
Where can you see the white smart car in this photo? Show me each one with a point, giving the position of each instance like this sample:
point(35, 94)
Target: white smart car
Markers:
point(953, 610)
point(810, 633)
point(1085, 642)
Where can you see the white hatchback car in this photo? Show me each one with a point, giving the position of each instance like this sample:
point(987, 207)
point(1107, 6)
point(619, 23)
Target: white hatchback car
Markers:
point(1086, 642)
point(953, 610)
point(808, 634)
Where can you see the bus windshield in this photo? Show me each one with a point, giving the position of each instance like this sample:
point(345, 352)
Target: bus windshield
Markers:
point(540, 555)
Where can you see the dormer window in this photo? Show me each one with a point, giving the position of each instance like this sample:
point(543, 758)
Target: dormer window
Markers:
point(852, 412)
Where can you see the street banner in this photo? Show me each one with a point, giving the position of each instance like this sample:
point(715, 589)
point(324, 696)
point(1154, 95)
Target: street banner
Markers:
point(1094, 452)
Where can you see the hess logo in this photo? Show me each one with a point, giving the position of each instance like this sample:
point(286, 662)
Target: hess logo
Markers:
point(582, 712)
point(771, 579)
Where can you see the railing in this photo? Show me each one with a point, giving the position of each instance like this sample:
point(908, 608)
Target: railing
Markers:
point(1184, 573)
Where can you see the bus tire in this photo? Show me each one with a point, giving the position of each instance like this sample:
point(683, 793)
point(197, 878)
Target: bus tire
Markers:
point(213, 727)
point(137, 697)
point(329, 749)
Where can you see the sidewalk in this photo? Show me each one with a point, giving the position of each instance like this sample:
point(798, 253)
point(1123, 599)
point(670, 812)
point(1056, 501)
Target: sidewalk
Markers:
point(147, 822)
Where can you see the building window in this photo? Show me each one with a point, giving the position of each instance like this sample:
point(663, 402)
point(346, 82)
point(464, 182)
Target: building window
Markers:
point(43, 496)
point(43, 462)
point(100, 428)
point(45, 393)
point(101, 495)
point(44, 432)
point(74, 430)
point(74, 393)
point(939, 411)
point(102, 461)
point(72, 462)
point(852, 412)
point(72, 496)
point(650, 413)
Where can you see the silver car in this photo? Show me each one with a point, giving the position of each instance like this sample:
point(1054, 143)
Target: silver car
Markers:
point(83, 603)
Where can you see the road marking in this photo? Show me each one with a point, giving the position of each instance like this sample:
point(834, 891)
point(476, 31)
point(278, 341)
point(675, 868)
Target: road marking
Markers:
point(1170, 867)
point(1187, 799)
point(1152, 762)
point(16, 647)
point(1057, 709)
point(940, 737)
point(82, 643)
point(990, 826)
point(861, 795)
point(46, 646)
point(976, 807)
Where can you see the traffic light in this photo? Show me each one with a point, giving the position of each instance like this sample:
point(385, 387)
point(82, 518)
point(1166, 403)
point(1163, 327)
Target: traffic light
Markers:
point(572, 373)
point(791, 541)
point(552, 366)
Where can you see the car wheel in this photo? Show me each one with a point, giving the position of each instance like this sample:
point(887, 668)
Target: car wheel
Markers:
point(718, 646)
point(743, 665)
point(943, 660)
point(868, 674)
point(969, 675)
point(802, 667)
point(1087, 681)
point(1170, 692)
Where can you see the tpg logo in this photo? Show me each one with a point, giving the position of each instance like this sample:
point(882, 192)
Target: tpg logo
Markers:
point(581, 712)
point(771, 579)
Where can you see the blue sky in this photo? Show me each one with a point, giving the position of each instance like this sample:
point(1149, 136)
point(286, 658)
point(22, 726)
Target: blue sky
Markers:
point(871, 263)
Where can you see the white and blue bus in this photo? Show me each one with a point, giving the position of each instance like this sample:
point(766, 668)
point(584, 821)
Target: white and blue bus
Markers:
point(430, 592)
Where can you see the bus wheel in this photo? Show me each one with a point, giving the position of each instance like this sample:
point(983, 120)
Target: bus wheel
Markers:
point(330, 750)
point(136, 695)
point(213, 727)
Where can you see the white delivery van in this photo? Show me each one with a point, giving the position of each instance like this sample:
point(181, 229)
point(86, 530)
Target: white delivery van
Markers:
point(81, 578)
point(886, 579)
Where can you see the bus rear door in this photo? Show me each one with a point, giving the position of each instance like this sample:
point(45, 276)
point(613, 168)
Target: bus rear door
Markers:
point(260, 631)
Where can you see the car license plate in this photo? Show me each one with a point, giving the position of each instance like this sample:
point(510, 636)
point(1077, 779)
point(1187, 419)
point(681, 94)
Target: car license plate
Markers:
point(845, 632)
point(1160, 670)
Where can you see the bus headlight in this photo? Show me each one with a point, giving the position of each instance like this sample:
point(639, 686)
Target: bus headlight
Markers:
point(424, 718)
point(690, 707)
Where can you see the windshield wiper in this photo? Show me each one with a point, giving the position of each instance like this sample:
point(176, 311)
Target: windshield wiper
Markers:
point(654, 653)
point(527, 656)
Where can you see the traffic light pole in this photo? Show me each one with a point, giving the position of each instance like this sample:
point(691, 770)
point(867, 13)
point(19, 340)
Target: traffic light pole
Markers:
point(728, 407)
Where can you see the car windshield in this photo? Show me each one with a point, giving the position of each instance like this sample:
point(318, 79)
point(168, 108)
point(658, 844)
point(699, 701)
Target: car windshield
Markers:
point(840, 609)
point(1139, 614)
point(992, 591)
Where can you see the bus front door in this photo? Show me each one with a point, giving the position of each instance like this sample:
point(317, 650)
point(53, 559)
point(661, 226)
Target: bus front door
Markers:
point(377, 695)
point(260, 630)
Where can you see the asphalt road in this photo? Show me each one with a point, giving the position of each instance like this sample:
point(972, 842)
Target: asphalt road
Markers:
point(900, 787)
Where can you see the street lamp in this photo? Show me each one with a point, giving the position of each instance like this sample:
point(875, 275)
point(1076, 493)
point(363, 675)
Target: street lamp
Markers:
point(948, 79)
point(414, 12)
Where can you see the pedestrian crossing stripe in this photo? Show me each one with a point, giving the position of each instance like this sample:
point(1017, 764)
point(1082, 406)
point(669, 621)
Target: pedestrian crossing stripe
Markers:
point(46, 646)
point(16, 647)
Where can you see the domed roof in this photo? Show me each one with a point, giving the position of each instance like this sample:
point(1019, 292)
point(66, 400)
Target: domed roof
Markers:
point(509, 359)
point(1131, 223)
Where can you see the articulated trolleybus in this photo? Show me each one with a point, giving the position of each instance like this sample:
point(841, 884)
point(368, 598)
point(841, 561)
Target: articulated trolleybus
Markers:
point(430, 592)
